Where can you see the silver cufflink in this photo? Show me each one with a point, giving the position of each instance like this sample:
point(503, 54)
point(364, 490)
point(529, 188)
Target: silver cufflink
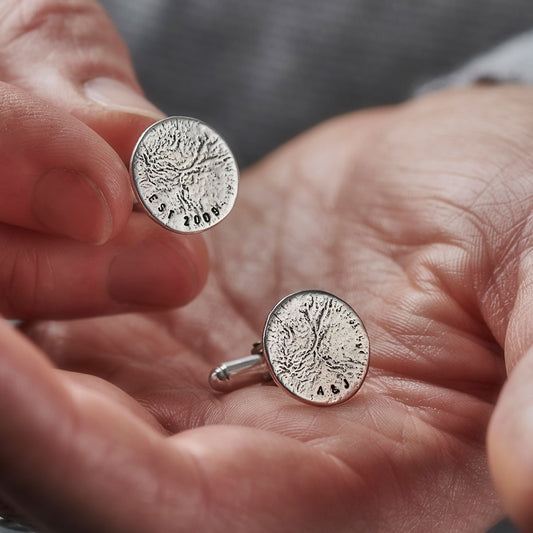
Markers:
point(314, 346)
point(184, 175)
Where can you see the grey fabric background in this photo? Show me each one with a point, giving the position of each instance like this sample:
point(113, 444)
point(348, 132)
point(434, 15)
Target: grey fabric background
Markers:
point(262, 71)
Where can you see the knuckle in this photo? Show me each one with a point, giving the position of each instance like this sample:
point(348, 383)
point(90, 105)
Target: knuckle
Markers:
point(51, 17)
point(79, 30)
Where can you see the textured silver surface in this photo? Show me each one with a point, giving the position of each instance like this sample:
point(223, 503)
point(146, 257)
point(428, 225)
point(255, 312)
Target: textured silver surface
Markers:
point(316, 347)
point(184, 174)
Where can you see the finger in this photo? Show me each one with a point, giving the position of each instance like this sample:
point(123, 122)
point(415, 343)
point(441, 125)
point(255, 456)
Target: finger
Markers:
point(145, 267)
point(53, 442)
point(70, 53)
point(510, 441)
point(510, 435)
point(74, 459)
point(57, 175)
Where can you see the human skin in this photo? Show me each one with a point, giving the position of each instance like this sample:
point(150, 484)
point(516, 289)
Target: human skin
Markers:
point(71, 113)
point(418, 216)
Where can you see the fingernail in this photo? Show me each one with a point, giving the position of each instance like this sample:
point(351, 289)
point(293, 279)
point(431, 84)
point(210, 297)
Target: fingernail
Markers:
point(68, 203)
point(117, 95)
point(152, 273)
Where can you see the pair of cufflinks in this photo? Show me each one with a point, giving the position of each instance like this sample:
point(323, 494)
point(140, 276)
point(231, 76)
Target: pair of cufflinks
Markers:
point(314, 345)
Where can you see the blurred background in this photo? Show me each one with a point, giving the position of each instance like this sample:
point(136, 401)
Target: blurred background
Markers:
point(261, 72)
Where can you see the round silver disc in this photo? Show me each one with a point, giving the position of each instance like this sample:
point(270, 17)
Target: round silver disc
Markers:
point(316, 347)
point(184, 174)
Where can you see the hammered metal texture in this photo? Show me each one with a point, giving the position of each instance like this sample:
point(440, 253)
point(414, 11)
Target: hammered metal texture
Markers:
point(316, 347)
point(184, 174)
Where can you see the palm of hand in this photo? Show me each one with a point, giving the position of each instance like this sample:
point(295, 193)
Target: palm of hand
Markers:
point(388, 210)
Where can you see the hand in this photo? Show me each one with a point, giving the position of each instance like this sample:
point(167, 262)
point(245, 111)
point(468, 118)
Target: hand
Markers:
point(419, 217)
point(71, 113)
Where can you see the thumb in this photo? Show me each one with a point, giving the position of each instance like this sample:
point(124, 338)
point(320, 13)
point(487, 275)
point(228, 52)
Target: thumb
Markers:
point(510, 434)
point(510, 444)
point(69, 53)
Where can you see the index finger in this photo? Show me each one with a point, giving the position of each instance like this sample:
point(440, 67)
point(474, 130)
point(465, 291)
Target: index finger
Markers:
point(57, 175)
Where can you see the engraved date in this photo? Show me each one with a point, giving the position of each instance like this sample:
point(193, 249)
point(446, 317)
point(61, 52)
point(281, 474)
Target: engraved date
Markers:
point(206, 217)
point(187, 219)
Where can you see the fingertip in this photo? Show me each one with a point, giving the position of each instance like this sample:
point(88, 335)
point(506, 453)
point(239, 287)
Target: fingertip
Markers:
point(114, 183)
point(510, 444)
point(59, 176)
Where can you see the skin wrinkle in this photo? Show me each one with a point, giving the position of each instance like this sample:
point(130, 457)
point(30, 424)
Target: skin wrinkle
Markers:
point(512, 239)
point(83, 46)
point(48, 18)
point(517, 341)
point(494, 200)
point(38, 15)
point(428, 278)
point(435, 272)
point(461, 304)
point(406, 347)
point(508, 244)
point(447, 418)
point(487, 184)
point(391, 387)
point(504, 247)
point(411, 273)
point(504, 293)
point(113, 370)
